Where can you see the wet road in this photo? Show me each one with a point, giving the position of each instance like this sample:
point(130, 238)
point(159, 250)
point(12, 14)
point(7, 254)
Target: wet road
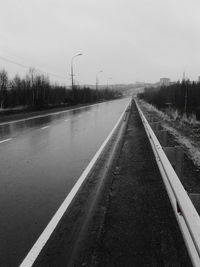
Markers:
point(40, 160)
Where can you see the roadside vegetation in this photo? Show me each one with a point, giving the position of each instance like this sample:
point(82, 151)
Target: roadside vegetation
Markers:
point(178, 107)
point(34, 91)
point(180, 100)
point(185, 132)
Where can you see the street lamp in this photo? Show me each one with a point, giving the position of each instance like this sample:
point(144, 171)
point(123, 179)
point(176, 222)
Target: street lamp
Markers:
point(72, 71)
point(97, 78)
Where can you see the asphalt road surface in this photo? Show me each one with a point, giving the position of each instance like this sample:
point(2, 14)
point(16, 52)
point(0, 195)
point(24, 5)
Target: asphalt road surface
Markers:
point(40, 161)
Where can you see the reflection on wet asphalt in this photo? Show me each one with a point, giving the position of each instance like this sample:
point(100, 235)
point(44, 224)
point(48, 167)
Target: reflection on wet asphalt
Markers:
point(39, 163)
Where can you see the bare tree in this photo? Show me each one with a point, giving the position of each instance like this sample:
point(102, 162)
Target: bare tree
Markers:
point(3, 86)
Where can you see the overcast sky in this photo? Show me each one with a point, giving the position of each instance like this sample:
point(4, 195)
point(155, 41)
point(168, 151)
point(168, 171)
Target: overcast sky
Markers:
point(130, 40)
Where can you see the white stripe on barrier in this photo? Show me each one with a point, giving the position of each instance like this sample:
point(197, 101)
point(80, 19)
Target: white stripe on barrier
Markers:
point(188, 219)
point(42, 240)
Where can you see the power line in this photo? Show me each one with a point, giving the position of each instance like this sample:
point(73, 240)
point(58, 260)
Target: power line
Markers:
point(28, 67)
point(13, 62)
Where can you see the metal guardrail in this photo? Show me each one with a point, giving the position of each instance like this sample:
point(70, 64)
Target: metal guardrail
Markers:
point(185, 212)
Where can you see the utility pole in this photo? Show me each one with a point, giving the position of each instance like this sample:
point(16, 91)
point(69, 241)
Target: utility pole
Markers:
point(97, 79)
point(72, 75)
point(109, 78)
point(72, 69)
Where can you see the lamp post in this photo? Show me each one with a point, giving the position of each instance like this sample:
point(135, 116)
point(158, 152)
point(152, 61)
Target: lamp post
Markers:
point(97, 78)
point(72, 70)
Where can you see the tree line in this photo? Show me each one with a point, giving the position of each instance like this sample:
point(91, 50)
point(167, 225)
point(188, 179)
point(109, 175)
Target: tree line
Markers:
point(35, 91)
point(183, 96)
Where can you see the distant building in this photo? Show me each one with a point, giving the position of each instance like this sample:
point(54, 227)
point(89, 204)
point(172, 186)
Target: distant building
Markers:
point(164, 81)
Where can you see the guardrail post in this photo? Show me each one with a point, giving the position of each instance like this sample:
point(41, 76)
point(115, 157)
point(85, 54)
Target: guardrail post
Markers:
point(126, 114)
point(195, 198)
point(162, 137)
point(156, 126)
point(151, 119)
point(175, 156)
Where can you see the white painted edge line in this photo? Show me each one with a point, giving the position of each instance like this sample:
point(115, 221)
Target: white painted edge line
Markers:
point(5, 140)
point(45, 127)
point(43, 238)
point(55, 113)
point(46, 115)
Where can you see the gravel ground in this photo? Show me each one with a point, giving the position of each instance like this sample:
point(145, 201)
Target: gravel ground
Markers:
point(139, 228)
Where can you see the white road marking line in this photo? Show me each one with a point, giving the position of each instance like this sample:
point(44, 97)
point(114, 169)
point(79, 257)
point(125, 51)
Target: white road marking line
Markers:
point(67, 120)
point(45, 235)
point(49, 114)
point(45, 127)
point(6, 140)
point(58, 112)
